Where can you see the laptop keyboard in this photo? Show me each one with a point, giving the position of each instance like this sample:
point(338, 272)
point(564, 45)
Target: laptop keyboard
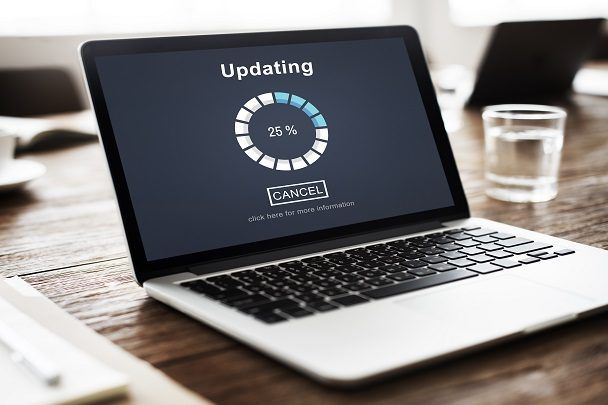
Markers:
point(317, 284)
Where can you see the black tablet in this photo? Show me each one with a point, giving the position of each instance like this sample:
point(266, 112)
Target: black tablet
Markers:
point(533, 60)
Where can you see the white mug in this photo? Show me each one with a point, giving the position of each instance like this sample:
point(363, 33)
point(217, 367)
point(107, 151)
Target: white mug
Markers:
point(8, 143)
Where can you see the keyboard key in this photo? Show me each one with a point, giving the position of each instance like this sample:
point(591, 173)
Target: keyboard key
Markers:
point(271, 267)
point(549, 256)
point(308, 297)
point(499, 254)
point(528, 260)
point(481, 258)
point(412, 264)
point(469, 228)
point(270, 317)
point(459, 236)
point(230, 294)
point(296, 312)
point(442, 240)
point(490, 246)
point(369, 264)
point(442, 267)
point(343, 261)
point(417, 284)
point(202, 287)
point(564, 252)
point(434, 259)
point(485, 239)
point(390, 259)
point(472, 251)
point(327, 283)
point(462, 262)
point(393, 268)
point(371, 273)
point(449, 246)
point(402, 276)
point(254, 288)
point(502, 236)
point(453, 255)
point(225, 282)
point(331, 292)
point(379, 281)
point(357, 287)
point(269, 306)
point(453, 231)
point(322, 265)
point(528, 247)
point(480, 232)
point(253, 299)
point(506, 263)
point(484, 268)
point(321, 306)
point(422, 243)
point(315, 259)
point(275, 292)
point(513, 242)
point(349, 278)
point(349, 300)
point(467, 243)
point(302, 288)
point(350, 268)
point(422, 272)
point(431, 251)
point(538, 254)
point(412, 256)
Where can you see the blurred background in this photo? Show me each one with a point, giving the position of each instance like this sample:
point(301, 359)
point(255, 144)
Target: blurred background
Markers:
point(39, 33)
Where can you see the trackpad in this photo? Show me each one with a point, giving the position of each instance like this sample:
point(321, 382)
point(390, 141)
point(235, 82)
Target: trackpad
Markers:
point(497, 305)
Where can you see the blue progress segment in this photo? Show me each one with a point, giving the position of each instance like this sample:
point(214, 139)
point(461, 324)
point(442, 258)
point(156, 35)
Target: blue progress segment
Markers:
point(297, 101)
point(282, 98)
point(310, 109)
point(319, 121)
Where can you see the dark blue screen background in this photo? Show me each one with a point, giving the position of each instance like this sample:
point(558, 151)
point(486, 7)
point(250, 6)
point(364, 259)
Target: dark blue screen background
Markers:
point(194, 189)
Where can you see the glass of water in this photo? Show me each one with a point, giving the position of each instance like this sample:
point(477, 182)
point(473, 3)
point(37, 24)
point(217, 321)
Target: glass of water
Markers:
point(523, 145)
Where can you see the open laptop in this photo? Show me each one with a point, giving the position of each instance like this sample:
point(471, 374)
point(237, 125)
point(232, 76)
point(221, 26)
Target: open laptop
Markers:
point(534, 60)
point(297, 191)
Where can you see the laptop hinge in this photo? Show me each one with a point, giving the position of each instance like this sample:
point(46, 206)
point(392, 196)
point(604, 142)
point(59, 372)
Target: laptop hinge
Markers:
point(312, 248)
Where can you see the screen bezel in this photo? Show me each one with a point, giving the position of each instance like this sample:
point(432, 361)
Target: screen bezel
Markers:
point(145, 269)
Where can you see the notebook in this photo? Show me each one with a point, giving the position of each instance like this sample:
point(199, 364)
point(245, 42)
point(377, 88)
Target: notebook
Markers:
point(82, 377)
point(106, 372)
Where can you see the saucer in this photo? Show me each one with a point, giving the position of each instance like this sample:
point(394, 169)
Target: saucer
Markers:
point(20, 172)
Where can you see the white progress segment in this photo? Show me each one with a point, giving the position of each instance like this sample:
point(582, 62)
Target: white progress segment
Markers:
point(298, 163)
point(266, 98)
point(240, 128)
point(283, 165)
point(244, 141)
point(322, 133)
point(253, 105)
point(267, 161)
point(319, 146)
point(254, 153)
point(244, 115)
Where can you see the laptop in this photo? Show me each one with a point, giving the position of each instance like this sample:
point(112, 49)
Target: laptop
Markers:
point(534, 60)
point(297, 192)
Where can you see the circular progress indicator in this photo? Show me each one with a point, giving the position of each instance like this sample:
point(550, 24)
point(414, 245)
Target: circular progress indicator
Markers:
point(242, 128)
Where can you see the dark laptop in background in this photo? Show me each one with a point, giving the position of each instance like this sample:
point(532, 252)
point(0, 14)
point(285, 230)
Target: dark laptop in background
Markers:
point(534, 60)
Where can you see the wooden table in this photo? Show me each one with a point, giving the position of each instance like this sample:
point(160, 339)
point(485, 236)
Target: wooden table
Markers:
point(63, 235)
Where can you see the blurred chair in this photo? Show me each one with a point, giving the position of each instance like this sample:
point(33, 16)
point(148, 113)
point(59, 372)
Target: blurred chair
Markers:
point(25, 92)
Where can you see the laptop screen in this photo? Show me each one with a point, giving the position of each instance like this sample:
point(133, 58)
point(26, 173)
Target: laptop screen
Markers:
point(225, 147)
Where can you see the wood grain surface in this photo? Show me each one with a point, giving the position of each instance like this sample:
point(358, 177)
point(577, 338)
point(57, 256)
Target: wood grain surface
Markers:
point(63, 235)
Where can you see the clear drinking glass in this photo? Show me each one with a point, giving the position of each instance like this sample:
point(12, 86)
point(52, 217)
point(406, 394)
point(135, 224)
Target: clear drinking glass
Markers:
point(523, 145)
